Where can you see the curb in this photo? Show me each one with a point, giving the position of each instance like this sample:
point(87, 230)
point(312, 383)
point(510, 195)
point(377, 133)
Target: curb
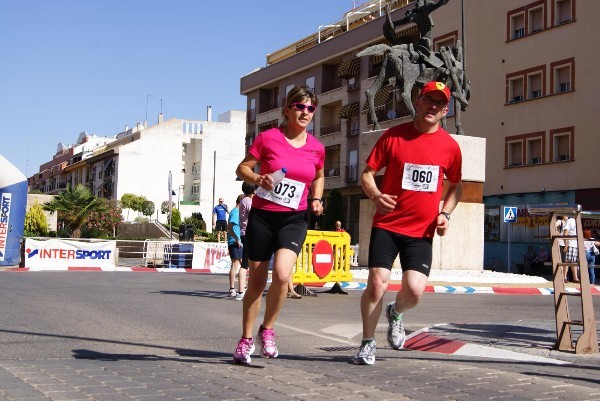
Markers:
point(355, 285)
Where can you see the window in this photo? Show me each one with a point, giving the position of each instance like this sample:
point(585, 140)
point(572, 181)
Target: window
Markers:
point(448, 40)
point(195, 188)
point(534, 151)
point(563, 76)
point(288, 88)
point(252, 110)
point(516, 90)
point(515, 153)
point(354, 126)
point(517, 24)
point(536, 19)
point(525, 84)
point(562, 146)
point(535, 85)
point(310, 82)
point(562, 11)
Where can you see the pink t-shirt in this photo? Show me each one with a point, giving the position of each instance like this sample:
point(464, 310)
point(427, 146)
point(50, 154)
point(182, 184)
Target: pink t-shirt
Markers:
point(274, 152)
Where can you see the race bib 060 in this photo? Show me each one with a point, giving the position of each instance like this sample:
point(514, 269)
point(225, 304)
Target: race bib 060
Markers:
point(420, 177)
point(287, 193)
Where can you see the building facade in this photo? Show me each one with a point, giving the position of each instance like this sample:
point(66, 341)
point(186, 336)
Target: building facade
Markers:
point(200, 155)
point(523, 59)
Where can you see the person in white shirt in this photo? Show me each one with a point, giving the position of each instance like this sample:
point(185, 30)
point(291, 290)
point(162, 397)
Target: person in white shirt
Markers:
point(572, 255)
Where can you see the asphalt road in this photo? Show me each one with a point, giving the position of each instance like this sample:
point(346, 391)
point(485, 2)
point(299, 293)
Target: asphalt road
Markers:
point(164, 336)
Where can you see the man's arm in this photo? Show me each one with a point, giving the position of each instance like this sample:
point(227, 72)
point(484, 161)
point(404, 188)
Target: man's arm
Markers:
point(450, 201)
point(383, 203)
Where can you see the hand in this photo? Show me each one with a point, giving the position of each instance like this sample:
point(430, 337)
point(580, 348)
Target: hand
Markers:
point(239, 243)
point(442, 225)
point(265, 181)
point(385, 203)
point(316, 207)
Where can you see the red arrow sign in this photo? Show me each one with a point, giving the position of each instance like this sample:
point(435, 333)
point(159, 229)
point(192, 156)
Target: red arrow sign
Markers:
point(322, 258)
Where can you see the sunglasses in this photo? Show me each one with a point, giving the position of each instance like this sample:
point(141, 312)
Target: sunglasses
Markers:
point(301, 107)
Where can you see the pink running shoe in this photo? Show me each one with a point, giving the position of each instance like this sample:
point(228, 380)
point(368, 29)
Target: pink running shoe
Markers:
point(244, 349)
point(266, 337)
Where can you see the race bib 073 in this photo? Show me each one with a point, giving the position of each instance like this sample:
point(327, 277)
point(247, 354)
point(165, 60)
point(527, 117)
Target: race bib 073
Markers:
point(287, 193)
point(420, 177)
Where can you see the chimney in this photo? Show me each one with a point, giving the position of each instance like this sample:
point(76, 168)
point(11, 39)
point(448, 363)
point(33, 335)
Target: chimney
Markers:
point(160, 118)
point(208, 113)
point(126, 128)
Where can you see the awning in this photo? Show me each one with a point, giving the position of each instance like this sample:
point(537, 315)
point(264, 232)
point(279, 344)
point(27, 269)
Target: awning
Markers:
point(381, 99)
point(349, 110)
point(349, 68)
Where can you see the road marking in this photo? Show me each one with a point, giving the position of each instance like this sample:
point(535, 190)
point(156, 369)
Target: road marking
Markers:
point(312, 333)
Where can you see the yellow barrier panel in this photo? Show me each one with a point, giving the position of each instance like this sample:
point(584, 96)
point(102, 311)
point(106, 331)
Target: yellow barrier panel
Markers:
point(342, 254)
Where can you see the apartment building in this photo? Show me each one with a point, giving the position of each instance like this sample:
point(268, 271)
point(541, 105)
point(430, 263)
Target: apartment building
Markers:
point(201, 156)
point(522, 58)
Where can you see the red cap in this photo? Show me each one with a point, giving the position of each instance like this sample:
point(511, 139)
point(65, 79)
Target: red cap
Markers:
point(436, 86)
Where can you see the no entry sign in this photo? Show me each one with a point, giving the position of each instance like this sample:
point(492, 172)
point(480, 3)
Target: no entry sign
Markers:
point(322, 258)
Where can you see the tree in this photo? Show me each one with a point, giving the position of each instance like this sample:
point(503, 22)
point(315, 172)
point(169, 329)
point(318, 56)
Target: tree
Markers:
point(128, 201)
point(101, 224)
point(176, 219)
point(164, 207)
point(74, 206)
point(334, 211)
point(148, 208)
point(36, 223)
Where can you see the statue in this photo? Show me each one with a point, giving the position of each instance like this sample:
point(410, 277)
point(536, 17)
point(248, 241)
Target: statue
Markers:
point(407, 65)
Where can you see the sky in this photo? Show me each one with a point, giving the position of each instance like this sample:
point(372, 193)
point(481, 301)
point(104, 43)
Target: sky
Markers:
point(68, 66)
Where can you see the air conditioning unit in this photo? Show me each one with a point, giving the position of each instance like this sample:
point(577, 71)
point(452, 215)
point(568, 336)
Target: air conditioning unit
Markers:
point(536, 94)
point(564, 87)
point(516, 99)
point(519, 33)
point(563, 157)
point(535, 160)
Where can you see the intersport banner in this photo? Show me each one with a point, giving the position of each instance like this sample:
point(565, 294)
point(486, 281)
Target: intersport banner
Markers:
point(63, 253)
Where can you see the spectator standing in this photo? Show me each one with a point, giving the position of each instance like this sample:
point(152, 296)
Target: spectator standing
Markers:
point(234, 244)
point(572, 254)
point(220, 220)
point(591, 251)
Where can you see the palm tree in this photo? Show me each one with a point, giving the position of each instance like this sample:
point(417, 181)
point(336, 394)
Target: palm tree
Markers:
point(74, 205)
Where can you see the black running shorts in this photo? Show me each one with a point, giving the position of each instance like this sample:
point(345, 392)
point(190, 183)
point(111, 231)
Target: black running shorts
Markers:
point(415, 253)
point(221, 225)
point(269, 231)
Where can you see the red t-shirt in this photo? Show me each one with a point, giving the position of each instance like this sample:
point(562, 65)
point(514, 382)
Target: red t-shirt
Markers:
point(274, 152)
point(415, 165)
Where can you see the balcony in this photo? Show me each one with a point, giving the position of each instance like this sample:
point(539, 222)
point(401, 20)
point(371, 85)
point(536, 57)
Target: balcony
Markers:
point(332, 172)
point(331, 129)
point(269, 106)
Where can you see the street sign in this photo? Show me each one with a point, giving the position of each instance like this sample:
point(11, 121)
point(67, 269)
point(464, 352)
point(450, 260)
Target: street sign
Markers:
point(510, 214)
point(322, 258)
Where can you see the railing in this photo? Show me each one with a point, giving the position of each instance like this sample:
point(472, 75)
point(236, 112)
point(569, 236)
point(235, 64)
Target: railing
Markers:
point(331, 129)
point(351, 173)
point(269, 106)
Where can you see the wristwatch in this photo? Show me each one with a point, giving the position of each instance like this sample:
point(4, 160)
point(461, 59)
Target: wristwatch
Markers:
point(446, 214)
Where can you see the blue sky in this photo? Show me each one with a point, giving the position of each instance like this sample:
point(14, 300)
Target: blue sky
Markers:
point(69, 66)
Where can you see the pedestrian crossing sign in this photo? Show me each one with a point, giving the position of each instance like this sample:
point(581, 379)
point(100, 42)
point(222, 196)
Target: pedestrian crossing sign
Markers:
point(510, 214)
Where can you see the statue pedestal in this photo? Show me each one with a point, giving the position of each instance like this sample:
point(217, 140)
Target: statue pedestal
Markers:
point(462, 247)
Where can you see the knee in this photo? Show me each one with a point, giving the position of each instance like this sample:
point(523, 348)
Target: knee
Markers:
point(411, 296)
point(376, 289)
